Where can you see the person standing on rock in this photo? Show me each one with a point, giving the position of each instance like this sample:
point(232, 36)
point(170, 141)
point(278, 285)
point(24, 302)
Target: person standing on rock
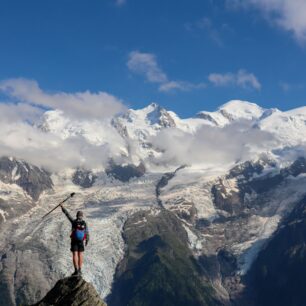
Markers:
point(79, 234)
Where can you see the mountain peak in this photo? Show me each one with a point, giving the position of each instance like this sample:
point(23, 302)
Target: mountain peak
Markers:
point(73, 291)
point(237, 109)
point(154, 105)
point(160, 116)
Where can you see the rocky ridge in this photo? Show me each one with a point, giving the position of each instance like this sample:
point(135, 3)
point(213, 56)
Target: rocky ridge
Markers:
point(71, 291)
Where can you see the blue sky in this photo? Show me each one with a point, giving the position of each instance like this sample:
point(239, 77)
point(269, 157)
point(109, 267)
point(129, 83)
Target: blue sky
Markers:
point(187, 55)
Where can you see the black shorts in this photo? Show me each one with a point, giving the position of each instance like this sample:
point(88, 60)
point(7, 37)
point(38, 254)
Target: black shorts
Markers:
point(77, 246)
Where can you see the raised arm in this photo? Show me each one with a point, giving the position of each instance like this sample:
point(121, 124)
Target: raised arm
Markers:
point(65, 211)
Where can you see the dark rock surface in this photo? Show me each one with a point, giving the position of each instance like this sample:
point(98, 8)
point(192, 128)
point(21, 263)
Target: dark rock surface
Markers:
point(122, 130)
point(164, 182)
point(125, 173)
point(251, 180)
point(160, 116)
point(207, 116)
point(29, 177)
point(84, 178)
point(72, 291)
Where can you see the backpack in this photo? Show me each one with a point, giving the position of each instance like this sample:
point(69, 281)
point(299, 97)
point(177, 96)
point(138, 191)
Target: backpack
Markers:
point(79, 230)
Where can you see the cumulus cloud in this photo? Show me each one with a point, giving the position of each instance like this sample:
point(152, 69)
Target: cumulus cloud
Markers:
point(289, 15)
point(80, 104)
point(145, 64)
point(212, 145)
point(49, 151)
point(242, 79)
point(12, 112)
point(21, 138)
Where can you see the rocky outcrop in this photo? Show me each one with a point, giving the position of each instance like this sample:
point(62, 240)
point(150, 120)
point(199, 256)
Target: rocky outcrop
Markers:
point(164, 182)
point(84, 178)
point(207, 116)
point(236, 191)
point(125, 173)
point(21, 186)
point(72, 291)
point(29, 177)
point(160, 116)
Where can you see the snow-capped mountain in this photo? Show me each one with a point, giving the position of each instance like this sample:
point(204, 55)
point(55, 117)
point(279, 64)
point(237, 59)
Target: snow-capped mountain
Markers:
point(233, 111)
point(195, 201)
point(143, 135)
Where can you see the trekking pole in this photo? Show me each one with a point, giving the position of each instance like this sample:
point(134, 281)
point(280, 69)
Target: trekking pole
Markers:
point(70, 196)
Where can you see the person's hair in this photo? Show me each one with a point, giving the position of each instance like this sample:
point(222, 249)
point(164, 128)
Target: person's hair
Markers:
point(79, 214)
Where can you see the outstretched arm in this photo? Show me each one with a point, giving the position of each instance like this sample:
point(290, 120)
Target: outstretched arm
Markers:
point(65, 211)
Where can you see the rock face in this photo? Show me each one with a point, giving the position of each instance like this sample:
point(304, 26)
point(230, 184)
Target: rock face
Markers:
point(278, 274)
point(84, 178)
point(160, 116)
point(72, 291)
point(232, 193)
point(30, 178)
point(125, 173)
point(21, 186)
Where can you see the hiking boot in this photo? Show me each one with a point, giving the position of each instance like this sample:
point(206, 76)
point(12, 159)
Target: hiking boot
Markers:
point(75, 273)
point(79, 272)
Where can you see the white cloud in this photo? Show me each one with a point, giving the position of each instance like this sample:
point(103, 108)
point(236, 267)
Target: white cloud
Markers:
point(180, 85)
point(26, 103)
point(49, 151)
point(289, 15)
point(80, 104)
point(242, 79)
point(218, 147)
point(19, 112)
point(220, 79)
point(145, 64)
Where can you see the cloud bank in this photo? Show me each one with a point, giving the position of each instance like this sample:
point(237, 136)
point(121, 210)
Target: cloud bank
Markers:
point(213, 146)
point(78, 105)
point(25, 104)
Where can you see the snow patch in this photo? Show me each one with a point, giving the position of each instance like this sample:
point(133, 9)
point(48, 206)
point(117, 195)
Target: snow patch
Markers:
point(194, 242)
